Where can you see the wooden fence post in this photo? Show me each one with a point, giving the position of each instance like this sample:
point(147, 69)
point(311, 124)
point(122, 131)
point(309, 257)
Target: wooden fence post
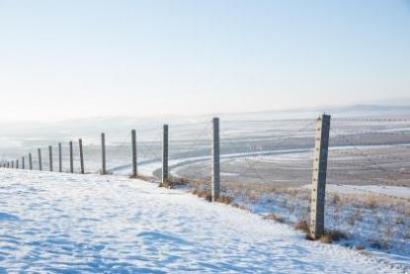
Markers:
point(40, 164)
point(17, 164)
point(30, 161)
point(317, 207)
point(103, 159)
point(12, 164)
point(23, 163)
point(164, 181)
point(80, 143)
point(60, 158)
point(71, 157)
point(216, 177)
point(134, 153)
point(50, 156)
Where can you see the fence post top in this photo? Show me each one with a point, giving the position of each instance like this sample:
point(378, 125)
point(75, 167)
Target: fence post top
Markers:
point(324, 116)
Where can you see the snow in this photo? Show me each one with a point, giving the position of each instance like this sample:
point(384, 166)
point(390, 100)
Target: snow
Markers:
point(394, 191)
point(62, 223)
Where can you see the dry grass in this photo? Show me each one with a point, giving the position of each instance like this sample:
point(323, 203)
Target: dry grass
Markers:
point(371, 202)
point(207, 196)
point(274, 217)
point(359, 247)
point(224, 199)
point(203, 194)
point(336, 199)
point(355, 216)
point(303, 226)
point(141, 177)
point(332, 236)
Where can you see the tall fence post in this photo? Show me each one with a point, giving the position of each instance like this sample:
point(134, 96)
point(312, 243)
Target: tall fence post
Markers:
point(60, 158)
point(50, 156)
point(317, 207)
point(30, 161)
point(134, 153)
point(80, 143)
point(216, 176)
point(23, 163)
point(103, 159)
point(71, 157)
point(40, 164)
point(165, 178)
point(17, 163)
point(12, 164)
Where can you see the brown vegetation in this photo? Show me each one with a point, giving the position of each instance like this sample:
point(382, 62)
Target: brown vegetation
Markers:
point(274, 217)
point(303, 226)
point(332, 236)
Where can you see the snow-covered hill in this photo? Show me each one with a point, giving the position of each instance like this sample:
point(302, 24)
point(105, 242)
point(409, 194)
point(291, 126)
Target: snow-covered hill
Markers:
point(64, 223)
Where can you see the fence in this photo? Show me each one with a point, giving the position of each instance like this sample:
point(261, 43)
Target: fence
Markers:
point(270, 167)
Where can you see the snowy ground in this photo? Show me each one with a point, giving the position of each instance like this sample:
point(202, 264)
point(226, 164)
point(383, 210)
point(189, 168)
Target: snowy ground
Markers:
point(393, 191)
point(65, 223)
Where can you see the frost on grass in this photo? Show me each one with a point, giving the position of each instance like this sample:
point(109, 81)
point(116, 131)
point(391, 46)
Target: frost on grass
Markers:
point(368, 221)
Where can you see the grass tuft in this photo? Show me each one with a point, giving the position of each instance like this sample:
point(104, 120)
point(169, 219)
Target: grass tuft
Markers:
point(274, 217)
point(303, 226)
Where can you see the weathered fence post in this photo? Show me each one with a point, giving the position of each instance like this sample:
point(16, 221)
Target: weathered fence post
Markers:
point(165, 178)
point(215, 189)
point(317, 207)
point(40, 164)
point(17, 163)
point(60, 158)
point(30, 161)
point(80, 143)
point(134, 153)
point(71, 157)
point(103, 160)
point(23, 163)
point(50, 156)
point(12, 164)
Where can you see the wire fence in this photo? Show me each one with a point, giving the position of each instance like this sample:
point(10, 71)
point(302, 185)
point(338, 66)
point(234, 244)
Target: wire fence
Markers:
point(266, 167)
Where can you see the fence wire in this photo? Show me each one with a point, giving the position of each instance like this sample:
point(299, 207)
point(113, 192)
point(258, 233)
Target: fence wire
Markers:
point(266, 166)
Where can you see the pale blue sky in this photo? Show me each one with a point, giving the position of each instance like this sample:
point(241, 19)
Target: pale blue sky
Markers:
point(69, 59)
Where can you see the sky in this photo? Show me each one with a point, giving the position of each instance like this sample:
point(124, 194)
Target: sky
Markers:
point(73, 59)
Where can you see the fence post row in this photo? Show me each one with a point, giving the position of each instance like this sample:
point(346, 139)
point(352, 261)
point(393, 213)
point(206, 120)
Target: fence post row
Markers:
point(71, 157)
point(215, 188)
point(40, 164)
point(50, 156)
point(164, 180)
point(80, 143)
point(60, 158)
point(103, 162)
point(317, 207)
point(134, 153)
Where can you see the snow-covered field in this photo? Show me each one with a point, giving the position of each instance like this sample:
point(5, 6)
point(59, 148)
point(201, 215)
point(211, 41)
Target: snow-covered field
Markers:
point(64, 223)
